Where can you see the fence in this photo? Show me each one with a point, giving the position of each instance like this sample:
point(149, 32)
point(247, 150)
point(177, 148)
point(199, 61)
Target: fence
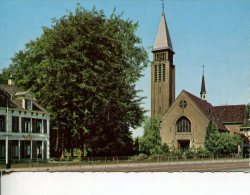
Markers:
point(106, 162)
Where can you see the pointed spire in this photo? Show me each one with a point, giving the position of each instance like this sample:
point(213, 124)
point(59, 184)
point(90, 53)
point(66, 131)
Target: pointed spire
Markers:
point(163, 40)
point(203, 86)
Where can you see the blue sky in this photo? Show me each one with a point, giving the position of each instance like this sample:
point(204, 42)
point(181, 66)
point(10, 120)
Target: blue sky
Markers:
point(209, 32)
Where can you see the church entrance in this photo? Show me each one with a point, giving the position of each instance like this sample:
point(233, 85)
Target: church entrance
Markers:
point(183, 144)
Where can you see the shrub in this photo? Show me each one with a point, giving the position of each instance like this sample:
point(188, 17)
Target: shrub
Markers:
point(190, 153)
point(140, 157)
point(202, 152)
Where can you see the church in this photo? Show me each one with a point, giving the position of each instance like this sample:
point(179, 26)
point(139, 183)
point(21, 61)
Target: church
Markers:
point(184, 118)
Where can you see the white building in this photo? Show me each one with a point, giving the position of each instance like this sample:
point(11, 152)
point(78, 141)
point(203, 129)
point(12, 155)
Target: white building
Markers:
point(24, 125)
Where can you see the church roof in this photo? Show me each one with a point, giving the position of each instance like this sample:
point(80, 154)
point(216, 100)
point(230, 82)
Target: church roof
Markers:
point(163, 40)
point(229, 113)
point(202, 104)
point(221, 115)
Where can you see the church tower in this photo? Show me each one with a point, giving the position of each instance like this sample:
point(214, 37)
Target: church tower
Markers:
point(162, 71)
point(203, 86)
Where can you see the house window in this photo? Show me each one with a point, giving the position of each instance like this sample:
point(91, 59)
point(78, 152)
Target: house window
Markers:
point(2, 148)
point(2, 123)
point(155, 73)
point(44, 126)
point(15, 148)
point(28, 104)
point(2, 101)
point(159, 77)
point(15, 151)
point(15, 123)
point(183, 125)
point(26, 127)
point(38, 126)
point(27, 150)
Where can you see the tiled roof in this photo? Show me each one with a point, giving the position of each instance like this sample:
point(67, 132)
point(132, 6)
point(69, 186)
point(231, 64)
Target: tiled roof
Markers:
point(229, 113)
point(202, 104)
point(220, 114)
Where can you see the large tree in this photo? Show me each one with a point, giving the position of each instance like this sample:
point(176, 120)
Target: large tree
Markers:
point(83, 69)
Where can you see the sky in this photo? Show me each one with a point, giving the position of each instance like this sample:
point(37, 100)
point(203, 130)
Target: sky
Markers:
point(208, 32)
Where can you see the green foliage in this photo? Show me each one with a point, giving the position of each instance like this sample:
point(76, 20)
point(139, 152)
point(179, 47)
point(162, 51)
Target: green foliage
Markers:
point(220, 143)
point(202, 152)
point(150, 142)
point(140, 157)
point(176, 153)
point(210, 130)
point(83, 70)
point(136, 147)
point(190, 153)
point(165, 149)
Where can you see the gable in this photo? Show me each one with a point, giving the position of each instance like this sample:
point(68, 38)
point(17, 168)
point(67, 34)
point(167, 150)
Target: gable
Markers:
point(197, 107)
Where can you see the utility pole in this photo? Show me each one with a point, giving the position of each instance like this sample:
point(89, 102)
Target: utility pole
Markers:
point(7, 138)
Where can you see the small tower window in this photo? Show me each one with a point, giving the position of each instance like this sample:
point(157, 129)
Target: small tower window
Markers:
point(155, 73)
point(159, 77)
point(164, 56)
point(164, 72)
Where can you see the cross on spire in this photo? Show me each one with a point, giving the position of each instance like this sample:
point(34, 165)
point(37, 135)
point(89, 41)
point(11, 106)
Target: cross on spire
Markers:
point(203, 66)
point(162, 2)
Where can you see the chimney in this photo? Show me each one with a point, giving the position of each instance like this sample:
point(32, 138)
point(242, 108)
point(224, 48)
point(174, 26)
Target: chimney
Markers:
point(11, 80)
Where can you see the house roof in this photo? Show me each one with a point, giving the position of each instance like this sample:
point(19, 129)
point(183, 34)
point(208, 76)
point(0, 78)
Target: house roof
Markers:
point(14, 92)
point(163, 40)
point(10, 89)
point(221, 115)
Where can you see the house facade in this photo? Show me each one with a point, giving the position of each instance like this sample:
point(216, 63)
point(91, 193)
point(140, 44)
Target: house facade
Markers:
point(24, 125)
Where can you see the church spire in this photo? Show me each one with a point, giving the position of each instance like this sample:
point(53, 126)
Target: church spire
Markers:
point(163, 40)
point(203, 87)
point(162, 71)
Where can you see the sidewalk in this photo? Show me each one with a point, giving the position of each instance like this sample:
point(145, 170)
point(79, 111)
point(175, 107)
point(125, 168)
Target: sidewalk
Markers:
point(132, 166)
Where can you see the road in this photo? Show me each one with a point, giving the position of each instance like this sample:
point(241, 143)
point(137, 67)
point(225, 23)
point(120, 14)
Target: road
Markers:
point(242, 165)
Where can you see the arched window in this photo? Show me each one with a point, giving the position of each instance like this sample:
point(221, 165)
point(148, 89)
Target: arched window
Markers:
point(183, 125)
